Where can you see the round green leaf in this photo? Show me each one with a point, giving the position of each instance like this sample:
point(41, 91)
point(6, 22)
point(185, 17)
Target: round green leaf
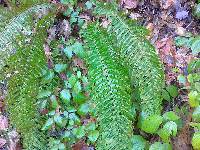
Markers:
point(61, 146)
point(166, 95)
point(44, 94)
point(48, 124)
point(90, 126)
point(72, 80)
point(79, 132)
point(79, 98)
point(182, 79)
point(60, 67)
point(65, 96)
point(93, 136)
point(151, 123)
point(197, 11)
point(48, 76)
point(160, 146)
point(196, 47)
point(173, 90)
point(58, 119)
point(66, 135)
point(171, 127)
point(139, 143)
point(196, 141)
point(88, 5)
point(68, 52)
point(75, 118)
point(170, 116)
point(78, 74)
point(54, 103)
point(164, 134)
point(83, 109)
point(196, 114)
point(193, 99)
point(77, 87)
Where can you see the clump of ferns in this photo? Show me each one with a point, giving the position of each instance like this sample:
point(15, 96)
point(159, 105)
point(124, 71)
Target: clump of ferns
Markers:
point(63, 98)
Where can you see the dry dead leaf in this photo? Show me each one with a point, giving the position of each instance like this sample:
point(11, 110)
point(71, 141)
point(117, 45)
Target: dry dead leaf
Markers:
point(180, 31)
point(2, 142)
point(80, 145)
point(105, 23)
point(3, 123)
point(168, 3)
point(134, 16)
point(65, 29)
point(129, 4)
point(14, 140)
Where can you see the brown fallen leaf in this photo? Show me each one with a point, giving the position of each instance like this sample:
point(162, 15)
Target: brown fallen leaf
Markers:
point(180, 31)
point(1, 103)
point(168, 3)
point(134, 16)
point(129, 4)
point(14, 141)
point(3, 122)
point(2, 142)
point(65, 28)
point(80, 145)
point(105, 23)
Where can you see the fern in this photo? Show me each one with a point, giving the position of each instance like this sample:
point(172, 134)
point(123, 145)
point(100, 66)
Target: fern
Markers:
point(110, 91)
point(16, 25)
point(24, 68)
point(140, 56)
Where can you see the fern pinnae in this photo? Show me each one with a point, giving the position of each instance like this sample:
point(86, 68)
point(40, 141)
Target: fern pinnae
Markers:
point(110, 91)
point(20, 23)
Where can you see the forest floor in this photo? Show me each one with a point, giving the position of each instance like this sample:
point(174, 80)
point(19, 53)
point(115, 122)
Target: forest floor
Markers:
point(166, 20)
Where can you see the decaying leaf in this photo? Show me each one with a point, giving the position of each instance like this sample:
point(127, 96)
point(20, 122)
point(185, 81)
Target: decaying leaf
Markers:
point(129, 4)
point(3, 122)
point(2, 142)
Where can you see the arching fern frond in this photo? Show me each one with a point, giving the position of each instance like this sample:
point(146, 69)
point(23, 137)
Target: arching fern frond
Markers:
point(110, 91)
point(17, 24)
point(23, 70)
point(140, 56)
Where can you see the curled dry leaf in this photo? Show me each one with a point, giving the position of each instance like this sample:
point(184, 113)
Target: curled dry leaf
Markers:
point(85, 16)
point(65, 29)
point(80, 145)
point(13, 140)
point(134, 16)
point(129, 4)
point(2, 142)
point(180, 31)
point(105, 23)
point(168, 3)
point(1, 102)
point(3, 122)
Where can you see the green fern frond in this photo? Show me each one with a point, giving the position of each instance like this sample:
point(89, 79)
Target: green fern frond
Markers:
point(111, 11)
point(19, 24)
point(141, 58)
point(110, 91)
point(24, 67)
